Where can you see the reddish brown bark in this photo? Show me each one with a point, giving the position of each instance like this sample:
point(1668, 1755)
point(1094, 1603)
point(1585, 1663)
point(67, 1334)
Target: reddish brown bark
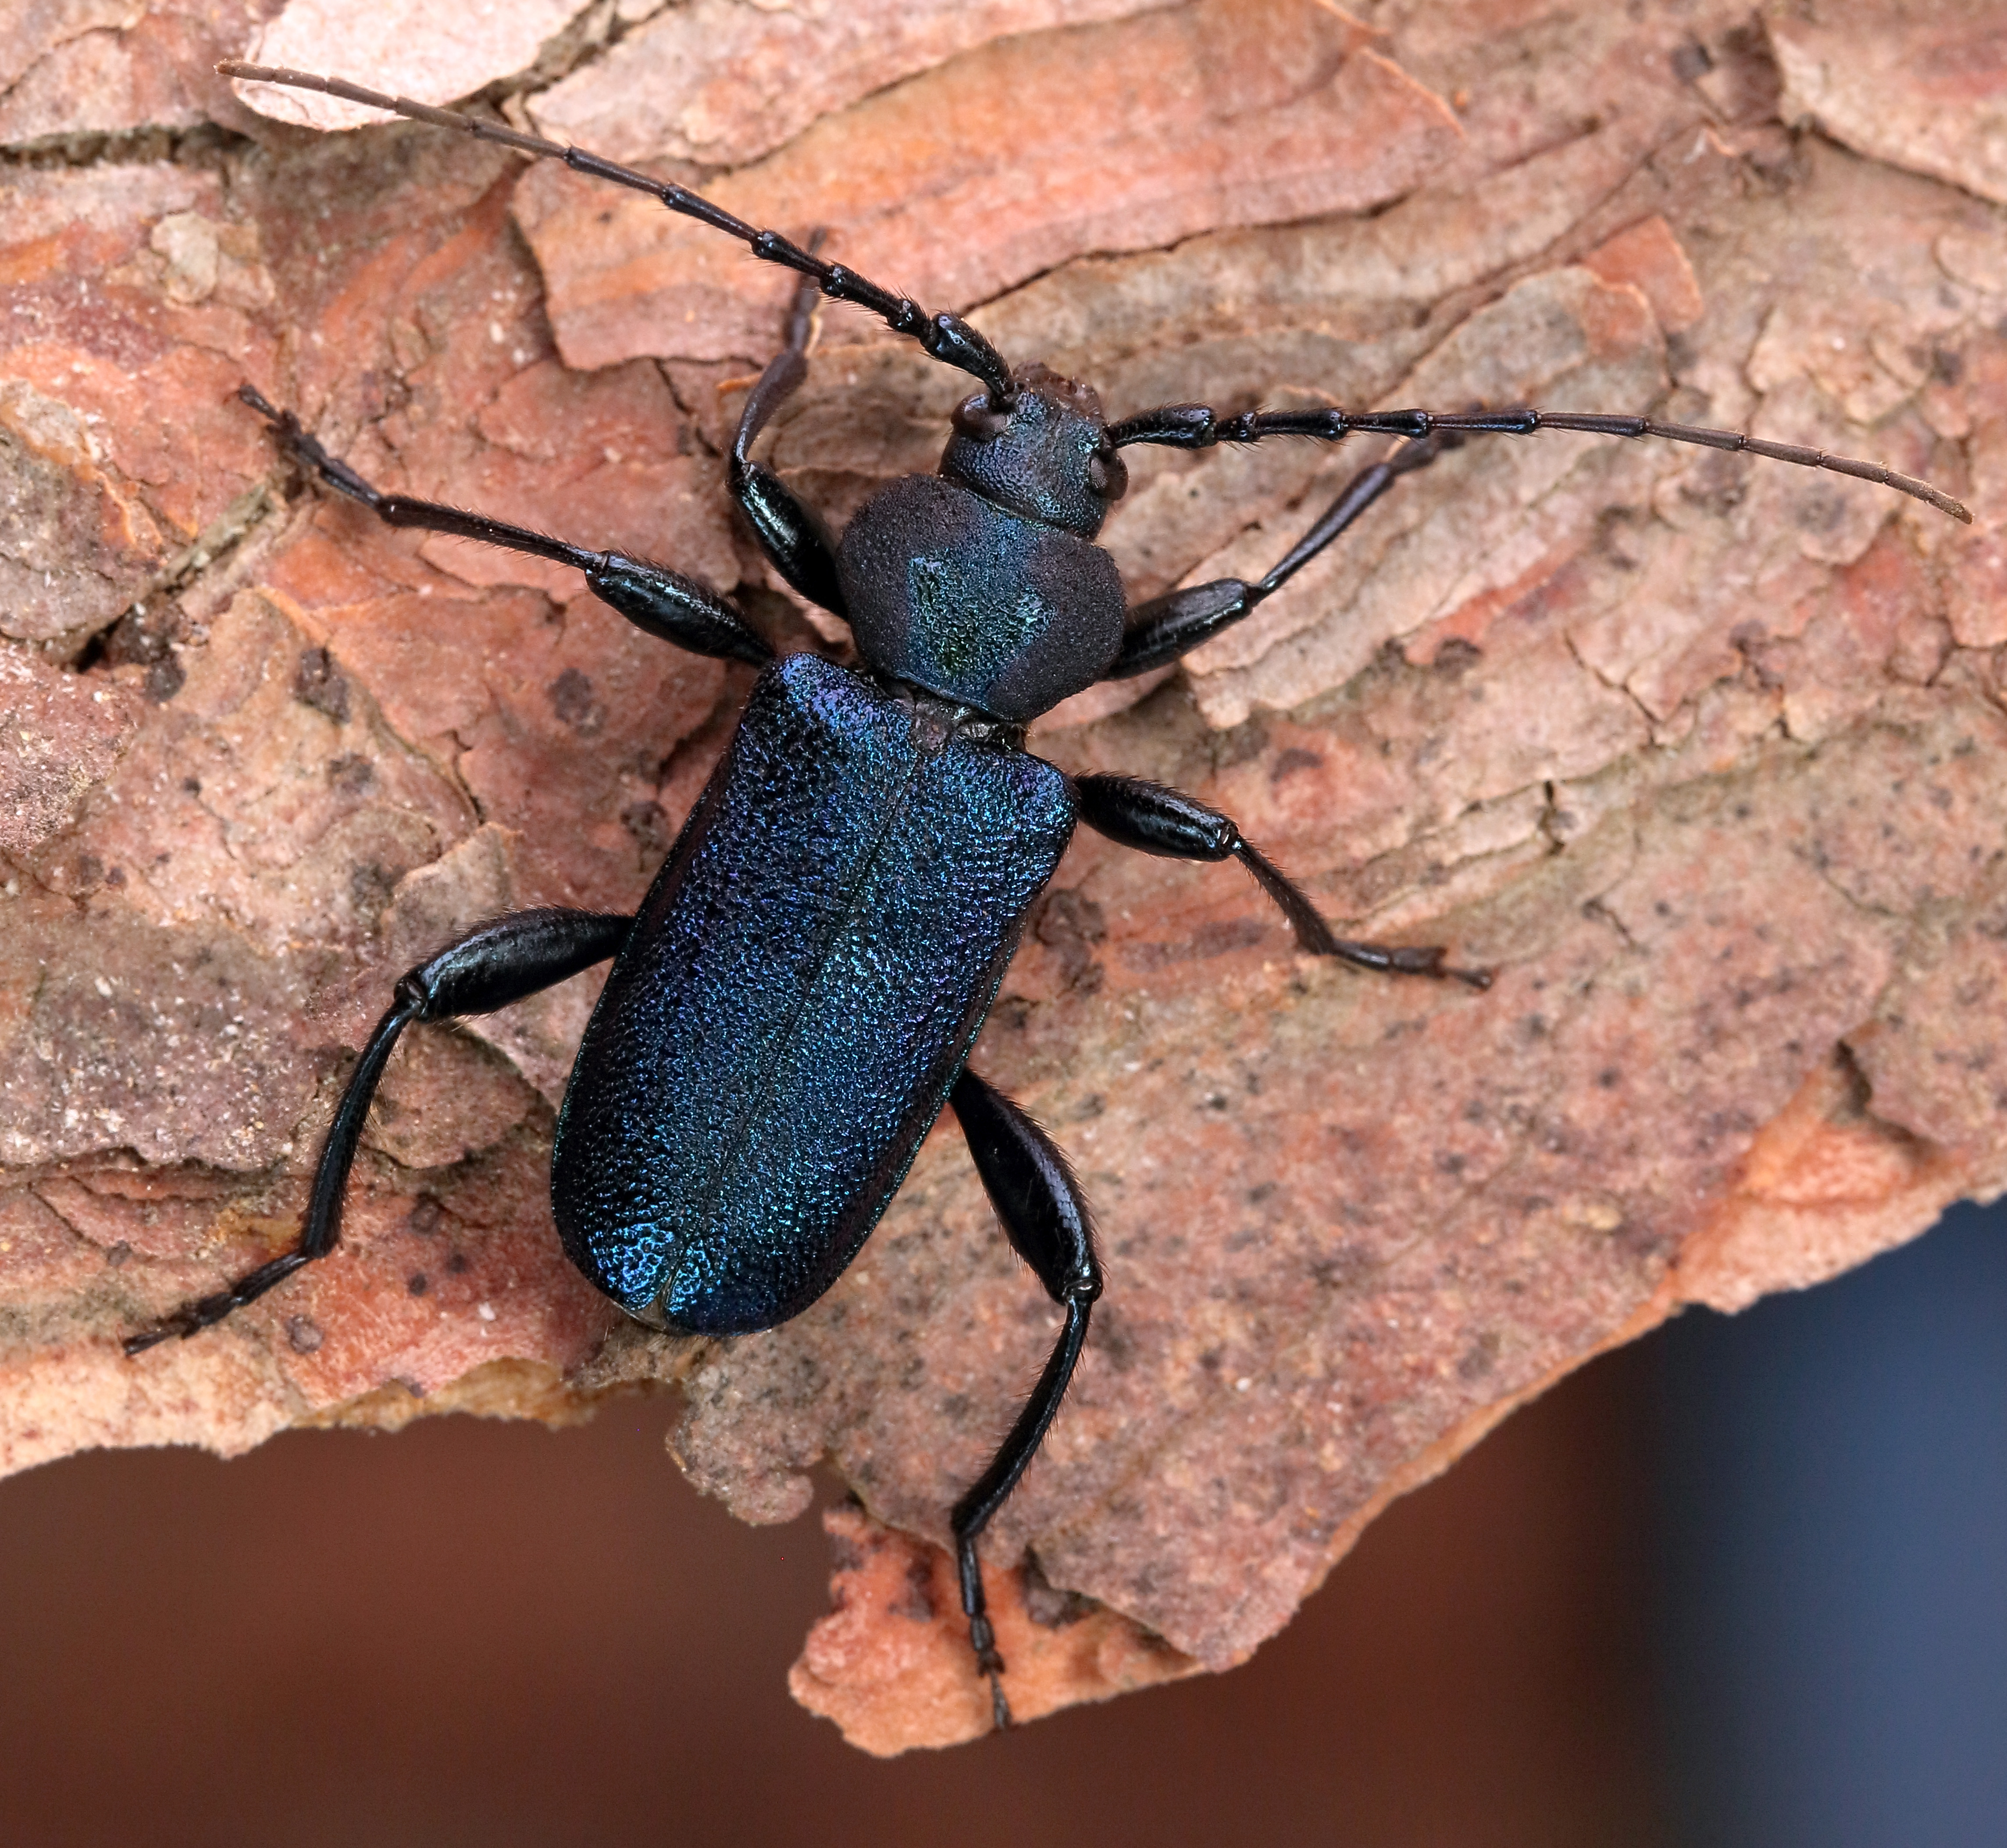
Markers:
point(1708, 759)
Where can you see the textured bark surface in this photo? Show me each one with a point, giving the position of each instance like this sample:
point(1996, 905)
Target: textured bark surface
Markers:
point(1708, 759)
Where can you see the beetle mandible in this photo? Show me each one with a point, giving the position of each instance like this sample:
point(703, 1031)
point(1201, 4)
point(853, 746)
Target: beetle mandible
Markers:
point(794, 1002)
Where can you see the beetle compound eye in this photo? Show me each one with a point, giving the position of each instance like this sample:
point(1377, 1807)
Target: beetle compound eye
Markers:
point(1107, 474)
point(977, 419)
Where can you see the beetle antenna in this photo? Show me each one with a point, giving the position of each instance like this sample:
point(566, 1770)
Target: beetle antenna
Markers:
point(1198, 427)
point(945, 337)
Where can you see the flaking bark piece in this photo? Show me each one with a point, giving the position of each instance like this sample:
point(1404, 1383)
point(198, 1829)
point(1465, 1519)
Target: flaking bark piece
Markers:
point(1704, 759)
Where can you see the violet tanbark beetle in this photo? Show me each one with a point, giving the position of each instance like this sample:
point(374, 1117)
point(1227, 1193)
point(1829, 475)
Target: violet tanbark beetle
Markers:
point(794, 1003)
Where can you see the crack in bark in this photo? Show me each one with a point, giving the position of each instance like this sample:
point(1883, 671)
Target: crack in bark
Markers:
point(201, 145)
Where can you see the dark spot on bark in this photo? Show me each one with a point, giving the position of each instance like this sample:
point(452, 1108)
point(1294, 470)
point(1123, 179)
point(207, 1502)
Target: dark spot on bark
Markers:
point(370, 887)
point(1223, 938)
point(303, 1335)
point(1070, 923)
point(319, 683)
point(132, 640)
point(1715, 485)
point(916, 1600)
point(115, 876)
point(1046, 1604)
point(457, 1265)
point(1114, 1346)
point(352, 773)
point(192, 785)
point(1291, 760)
point(418, 1283)
point(1480, 1357)
point(425, 1216)
point(115, 1255)
point(650, 827)
point(573, 700)
point(1692, 60)
point(141, 637)
point(1345, 1269)
point(1238, 746)
point(1820, 511)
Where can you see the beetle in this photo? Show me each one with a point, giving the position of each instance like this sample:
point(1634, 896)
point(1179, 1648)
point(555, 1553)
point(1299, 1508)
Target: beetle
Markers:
point(794, 1003)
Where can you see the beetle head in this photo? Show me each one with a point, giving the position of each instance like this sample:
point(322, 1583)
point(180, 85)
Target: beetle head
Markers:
point(1045, 455)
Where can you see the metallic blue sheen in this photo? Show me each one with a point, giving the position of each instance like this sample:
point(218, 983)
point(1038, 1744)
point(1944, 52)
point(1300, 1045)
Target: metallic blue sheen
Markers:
point(797, 997)
point(976, 604)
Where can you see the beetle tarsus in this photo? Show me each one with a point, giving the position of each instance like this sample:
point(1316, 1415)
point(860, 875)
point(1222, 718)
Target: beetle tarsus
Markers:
point(982, 1634)
point(490, 967)
point(983, 1640)
point(1152, 819)
point(205, 1312)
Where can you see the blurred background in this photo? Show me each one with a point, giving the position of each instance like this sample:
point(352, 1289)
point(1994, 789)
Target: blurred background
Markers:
point(1743, 1582)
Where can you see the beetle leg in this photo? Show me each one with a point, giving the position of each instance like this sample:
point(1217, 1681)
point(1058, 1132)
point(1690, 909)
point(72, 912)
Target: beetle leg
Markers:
point(1175, 623)
point(1154, 820)
point(1045, 1217)
point(790, 531)
point(507, 960)
point(651, 597)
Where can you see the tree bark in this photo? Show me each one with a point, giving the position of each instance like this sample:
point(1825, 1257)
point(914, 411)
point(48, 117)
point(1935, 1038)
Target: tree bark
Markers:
point(1705, 757)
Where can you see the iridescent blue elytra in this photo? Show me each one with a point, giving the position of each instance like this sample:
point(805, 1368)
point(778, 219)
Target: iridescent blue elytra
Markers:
point(797, 997)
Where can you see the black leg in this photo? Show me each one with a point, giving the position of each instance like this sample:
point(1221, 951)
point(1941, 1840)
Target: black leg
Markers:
point(664, 603)
point(507, 960)
point(1046, 1220)
point(1154, 820)
point(1174, 624)
point(791, 533)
